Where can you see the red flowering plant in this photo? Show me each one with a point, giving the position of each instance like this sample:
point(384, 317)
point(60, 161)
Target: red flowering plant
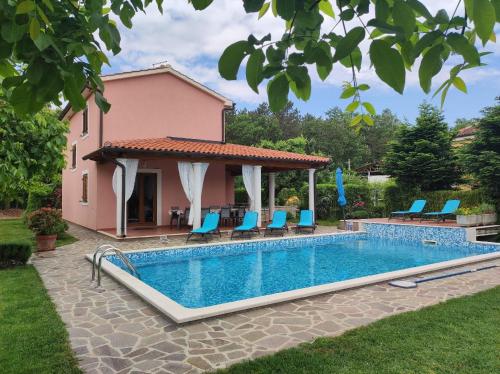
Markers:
point(358, 204)
point(46, 221)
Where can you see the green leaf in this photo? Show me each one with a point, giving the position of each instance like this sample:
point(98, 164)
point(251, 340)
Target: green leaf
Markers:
point(252, 6)
point(367, 119)
point(264, 10)
point(24, 99)
point(25, 6)
point(389, 64)
point(43, 41)
point(326, 7)
point(300, 81)
point(462, 46)
point(347, 14)
point(126, 14)
point(363, 87)
point(469, 8)
point(323, 71)
point(496, 5)
point(356, 120)
point(381, 10)
point(420, 8)
point(348, 92)
point(101, 102)
point(34, 28)
point(369, 108)
point(460, 84)
point(285, 9)
point(231, 58)
point(201, 4)
point(352, 106)
point(254, 69)
point(6, 69)
point(426, 41)
point(431, 65)
point(484, 19)
point(12, 32)
point(356, 59)
point(277, 92)
point(48, 4)
point(404, 17)
point(347, 44)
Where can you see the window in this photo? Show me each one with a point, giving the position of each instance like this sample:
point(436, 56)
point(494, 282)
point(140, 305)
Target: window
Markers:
point(73, 156)
point(85, 127)
point(85, 187)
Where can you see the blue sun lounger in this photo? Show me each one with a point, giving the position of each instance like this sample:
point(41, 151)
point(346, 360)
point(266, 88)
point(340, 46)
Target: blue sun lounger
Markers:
point(415, 210)
point(210, 226)
point(248, 226)
point(278, 224)
point(449, 209)
point(306, 221)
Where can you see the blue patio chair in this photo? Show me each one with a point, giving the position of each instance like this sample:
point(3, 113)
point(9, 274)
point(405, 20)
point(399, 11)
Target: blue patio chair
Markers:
point(449, 209)
point(248, 226)
point(415, 210)
point(210, 226)
point(278, 224)
point(306, 221)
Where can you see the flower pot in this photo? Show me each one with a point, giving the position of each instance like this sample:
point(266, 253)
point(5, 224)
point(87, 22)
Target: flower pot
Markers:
point(46, 242)
point(488, 218)
point(470, 220)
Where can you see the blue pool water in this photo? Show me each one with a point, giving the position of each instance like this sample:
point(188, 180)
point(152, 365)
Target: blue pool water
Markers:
point(202, 277)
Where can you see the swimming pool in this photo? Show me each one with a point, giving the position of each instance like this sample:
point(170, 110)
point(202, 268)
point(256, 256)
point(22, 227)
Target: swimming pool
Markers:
point(194, 282)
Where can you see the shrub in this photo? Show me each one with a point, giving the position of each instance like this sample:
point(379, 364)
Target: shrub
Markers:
point(46, 221)
point(240, 196)
point(39, 195)
point(292, 201)
point(14, 253)
point(359, 214)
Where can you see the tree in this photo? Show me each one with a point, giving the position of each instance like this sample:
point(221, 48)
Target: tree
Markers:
point(422, 156)
point(50, 47)
point(31, 151)
point(482, 155)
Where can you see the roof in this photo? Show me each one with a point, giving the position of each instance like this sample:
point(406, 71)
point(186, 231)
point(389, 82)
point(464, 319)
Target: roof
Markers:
point(202, 149)
point(466, 131)
point(163, 69)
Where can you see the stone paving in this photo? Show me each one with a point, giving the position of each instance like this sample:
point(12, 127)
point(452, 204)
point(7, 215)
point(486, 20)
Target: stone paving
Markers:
point(113, 331)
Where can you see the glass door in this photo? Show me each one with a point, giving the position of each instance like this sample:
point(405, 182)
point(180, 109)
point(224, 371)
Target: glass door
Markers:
point(141, 207)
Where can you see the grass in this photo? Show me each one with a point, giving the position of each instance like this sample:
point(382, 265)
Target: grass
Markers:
point(458, 336)
point(33, 338)
point(14, 229)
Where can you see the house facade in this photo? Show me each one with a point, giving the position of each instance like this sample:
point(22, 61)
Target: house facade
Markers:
point(160, 147)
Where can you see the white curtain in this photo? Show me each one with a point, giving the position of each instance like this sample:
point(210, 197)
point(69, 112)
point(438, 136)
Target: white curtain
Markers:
point(248, 181)
point(186, 173)
point(131, 166)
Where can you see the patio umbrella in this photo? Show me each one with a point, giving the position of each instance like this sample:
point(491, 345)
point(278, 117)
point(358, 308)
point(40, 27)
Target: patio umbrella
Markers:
point(340, 189)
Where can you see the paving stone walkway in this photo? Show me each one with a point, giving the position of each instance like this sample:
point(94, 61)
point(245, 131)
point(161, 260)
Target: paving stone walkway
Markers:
point(113, 331)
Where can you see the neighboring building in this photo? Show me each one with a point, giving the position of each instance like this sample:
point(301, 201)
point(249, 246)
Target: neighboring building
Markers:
point(165, 131)
point(464, 136)
point(373, 171)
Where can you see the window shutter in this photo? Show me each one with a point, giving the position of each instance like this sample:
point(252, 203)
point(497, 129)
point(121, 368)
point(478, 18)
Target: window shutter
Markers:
point(73, 156)
point(85, 180)
point(85, 128)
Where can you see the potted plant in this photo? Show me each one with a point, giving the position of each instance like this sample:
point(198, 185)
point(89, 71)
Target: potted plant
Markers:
point(469, 217)
point(46, 223)
point(488, 214)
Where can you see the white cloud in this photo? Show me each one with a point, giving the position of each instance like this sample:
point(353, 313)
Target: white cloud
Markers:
point(192, 41)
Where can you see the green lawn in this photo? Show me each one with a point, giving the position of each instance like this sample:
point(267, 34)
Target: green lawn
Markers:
point(458, 336)
point(13, 229)
point(33, 338)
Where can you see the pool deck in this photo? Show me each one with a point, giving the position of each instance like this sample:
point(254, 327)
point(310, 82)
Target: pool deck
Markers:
point(114, 331)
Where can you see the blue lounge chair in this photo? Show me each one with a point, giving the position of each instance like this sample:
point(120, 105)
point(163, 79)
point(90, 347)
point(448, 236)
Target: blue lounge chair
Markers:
point(248, 226)
point(449, 209)
point(415, 210)
point(210, 226)
point(306, 221)
point(278, 224)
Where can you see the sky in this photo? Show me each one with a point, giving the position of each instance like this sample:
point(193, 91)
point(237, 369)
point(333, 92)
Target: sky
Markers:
point(192, 42)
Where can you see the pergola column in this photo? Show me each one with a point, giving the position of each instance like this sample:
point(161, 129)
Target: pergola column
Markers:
point(272, 188)
point(311, 191)
point(197, 194)
point(257, 184)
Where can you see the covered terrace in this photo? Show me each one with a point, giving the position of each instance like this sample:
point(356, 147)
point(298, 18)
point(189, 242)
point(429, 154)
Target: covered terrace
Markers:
point(190, 173)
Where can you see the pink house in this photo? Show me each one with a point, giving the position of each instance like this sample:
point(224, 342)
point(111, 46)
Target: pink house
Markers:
point(160, 148)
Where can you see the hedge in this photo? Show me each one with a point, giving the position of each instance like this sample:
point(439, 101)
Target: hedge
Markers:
point(14, 253)
point(397, 199)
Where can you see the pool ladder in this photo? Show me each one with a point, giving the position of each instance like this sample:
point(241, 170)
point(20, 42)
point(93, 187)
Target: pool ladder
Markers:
point(106, 250)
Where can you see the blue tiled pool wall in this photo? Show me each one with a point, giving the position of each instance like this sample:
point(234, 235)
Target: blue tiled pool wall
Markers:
point(234, 248)
point(442, 235)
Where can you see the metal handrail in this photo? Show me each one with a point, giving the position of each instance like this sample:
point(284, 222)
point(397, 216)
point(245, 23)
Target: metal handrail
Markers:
point(98, 250)
point(104, 251)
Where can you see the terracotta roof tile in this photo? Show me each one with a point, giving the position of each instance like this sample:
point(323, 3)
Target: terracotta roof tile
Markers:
point(466, 131)
point(176, 145)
